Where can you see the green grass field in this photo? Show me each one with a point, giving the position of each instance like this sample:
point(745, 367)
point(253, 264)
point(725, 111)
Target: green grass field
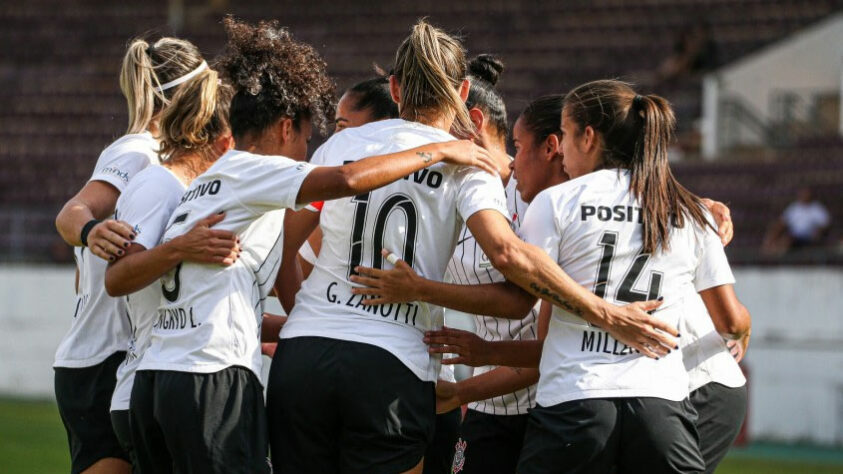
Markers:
point(32, 440)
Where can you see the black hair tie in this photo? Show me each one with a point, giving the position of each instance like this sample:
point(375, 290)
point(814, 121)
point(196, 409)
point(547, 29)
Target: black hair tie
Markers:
point(637, 102)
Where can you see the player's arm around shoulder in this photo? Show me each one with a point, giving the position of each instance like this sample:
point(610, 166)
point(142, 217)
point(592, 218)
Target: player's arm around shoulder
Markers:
point(334, 182)
point(533, 269)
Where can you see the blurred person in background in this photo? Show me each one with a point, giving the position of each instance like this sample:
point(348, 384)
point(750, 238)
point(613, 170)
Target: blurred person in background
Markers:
point(804, 223)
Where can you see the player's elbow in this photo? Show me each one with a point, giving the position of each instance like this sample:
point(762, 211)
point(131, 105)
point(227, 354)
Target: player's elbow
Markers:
point(507, 257)
point(737, 324)
point(62, 225)
point(113, 286)
point(347, 182)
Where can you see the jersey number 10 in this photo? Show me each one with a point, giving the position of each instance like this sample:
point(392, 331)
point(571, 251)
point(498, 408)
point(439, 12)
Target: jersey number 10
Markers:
point(395, 202)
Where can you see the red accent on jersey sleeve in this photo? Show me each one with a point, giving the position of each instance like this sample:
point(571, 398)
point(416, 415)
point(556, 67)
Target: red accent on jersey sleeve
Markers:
point(316, 206)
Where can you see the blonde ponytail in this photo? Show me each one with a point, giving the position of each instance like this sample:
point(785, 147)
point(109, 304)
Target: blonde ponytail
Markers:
point(430, 67)
point(145, 67)
point(196, 116)
point(138, 81)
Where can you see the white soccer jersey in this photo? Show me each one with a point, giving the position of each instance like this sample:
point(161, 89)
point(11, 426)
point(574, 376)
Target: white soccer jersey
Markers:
point(100, 327)
point(418, 217)
point(210, 316)
point(146, 205)
point(470, 266)
point(591, 227)
point(707, 359)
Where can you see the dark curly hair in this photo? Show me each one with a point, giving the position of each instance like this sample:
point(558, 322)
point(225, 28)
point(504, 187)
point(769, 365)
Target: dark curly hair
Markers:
point(273, 77)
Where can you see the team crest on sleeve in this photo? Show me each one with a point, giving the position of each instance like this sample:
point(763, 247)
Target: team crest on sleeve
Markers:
point(459, 457)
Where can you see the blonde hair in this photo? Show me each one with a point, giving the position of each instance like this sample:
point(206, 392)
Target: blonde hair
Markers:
point(147, 66)
point(430, 67)
point(196, 116)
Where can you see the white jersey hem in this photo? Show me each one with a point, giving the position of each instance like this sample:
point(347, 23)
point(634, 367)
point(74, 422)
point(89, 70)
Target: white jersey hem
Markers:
point(195, 369)
point(721, 381)
point(83, 363)
point(675, 396)
point(422, 374)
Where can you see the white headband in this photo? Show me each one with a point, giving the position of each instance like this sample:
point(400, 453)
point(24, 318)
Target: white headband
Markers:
point(182, 79)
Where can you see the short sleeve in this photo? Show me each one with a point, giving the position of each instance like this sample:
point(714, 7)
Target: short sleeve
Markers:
point(480, 191)
point(267, 183)
point(538, 227)
point(147, 204)
point(117, 165)
point(712, 265)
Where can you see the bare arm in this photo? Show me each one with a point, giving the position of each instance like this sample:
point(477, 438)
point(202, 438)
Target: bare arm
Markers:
point(96, 200)
point(141, 266)
point(730, 317)
point(334, 182)
point(402, 284)
point(502, 380)
point(297, 227)
point(475, 351)
point(532, 269)
point(270, 327)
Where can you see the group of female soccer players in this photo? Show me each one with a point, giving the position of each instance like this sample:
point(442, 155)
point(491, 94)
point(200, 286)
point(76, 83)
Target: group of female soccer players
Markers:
point(207, 205)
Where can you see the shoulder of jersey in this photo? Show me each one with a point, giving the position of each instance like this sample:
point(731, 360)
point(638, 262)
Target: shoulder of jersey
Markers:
point(391, 128)
point(236, 158)
point(584, 182)
point(140, 142)
point(153, 178)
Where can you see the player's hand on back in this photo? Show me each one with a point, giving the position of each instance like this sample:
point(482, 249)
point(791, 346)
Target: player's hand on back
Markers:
point(110, 238)
point(398, 285)
point(723, 220)
point(467, 153)
point(470, 349)
point(635, 326)
point(202, 244)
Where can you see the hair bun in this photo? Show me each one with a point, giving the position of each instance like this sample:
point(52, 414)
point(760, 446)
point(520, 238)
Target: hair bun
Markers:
point(486, 67)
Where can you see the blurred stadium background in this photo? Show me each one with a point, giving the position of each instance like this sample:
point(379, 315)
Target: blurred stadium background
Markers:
point(756, 85)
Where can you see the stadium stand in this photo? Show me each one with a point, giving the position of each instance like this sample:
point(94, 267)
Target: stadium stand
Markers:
point(62, 104)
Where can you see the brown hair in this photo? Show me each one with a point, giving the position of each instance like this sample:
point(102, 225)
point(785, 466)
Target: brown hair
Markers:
point(543, 117)
point(147, 66)
point(635, 132)
point(430, 67)
point(197, 115)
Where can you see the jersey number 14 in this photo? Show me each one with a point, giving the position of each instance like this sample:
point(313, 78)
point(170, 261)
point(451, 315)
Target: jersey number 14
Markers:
point(625, 293)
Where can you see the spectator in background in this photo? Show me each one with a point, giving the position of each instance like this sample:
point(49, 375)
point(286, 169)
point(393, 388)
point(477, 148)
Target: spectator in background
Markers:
point(804, 223)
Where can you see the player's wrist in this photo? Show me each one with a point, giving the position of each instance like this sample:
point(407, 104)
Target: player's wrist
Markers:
point(175, 250)
point(422, 290)
point(86, 231)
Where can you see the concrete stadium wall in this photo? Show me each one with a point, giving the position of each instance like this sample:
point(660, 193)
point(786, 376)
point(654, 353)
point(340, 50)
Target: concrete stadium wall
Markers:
point(795, 361)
